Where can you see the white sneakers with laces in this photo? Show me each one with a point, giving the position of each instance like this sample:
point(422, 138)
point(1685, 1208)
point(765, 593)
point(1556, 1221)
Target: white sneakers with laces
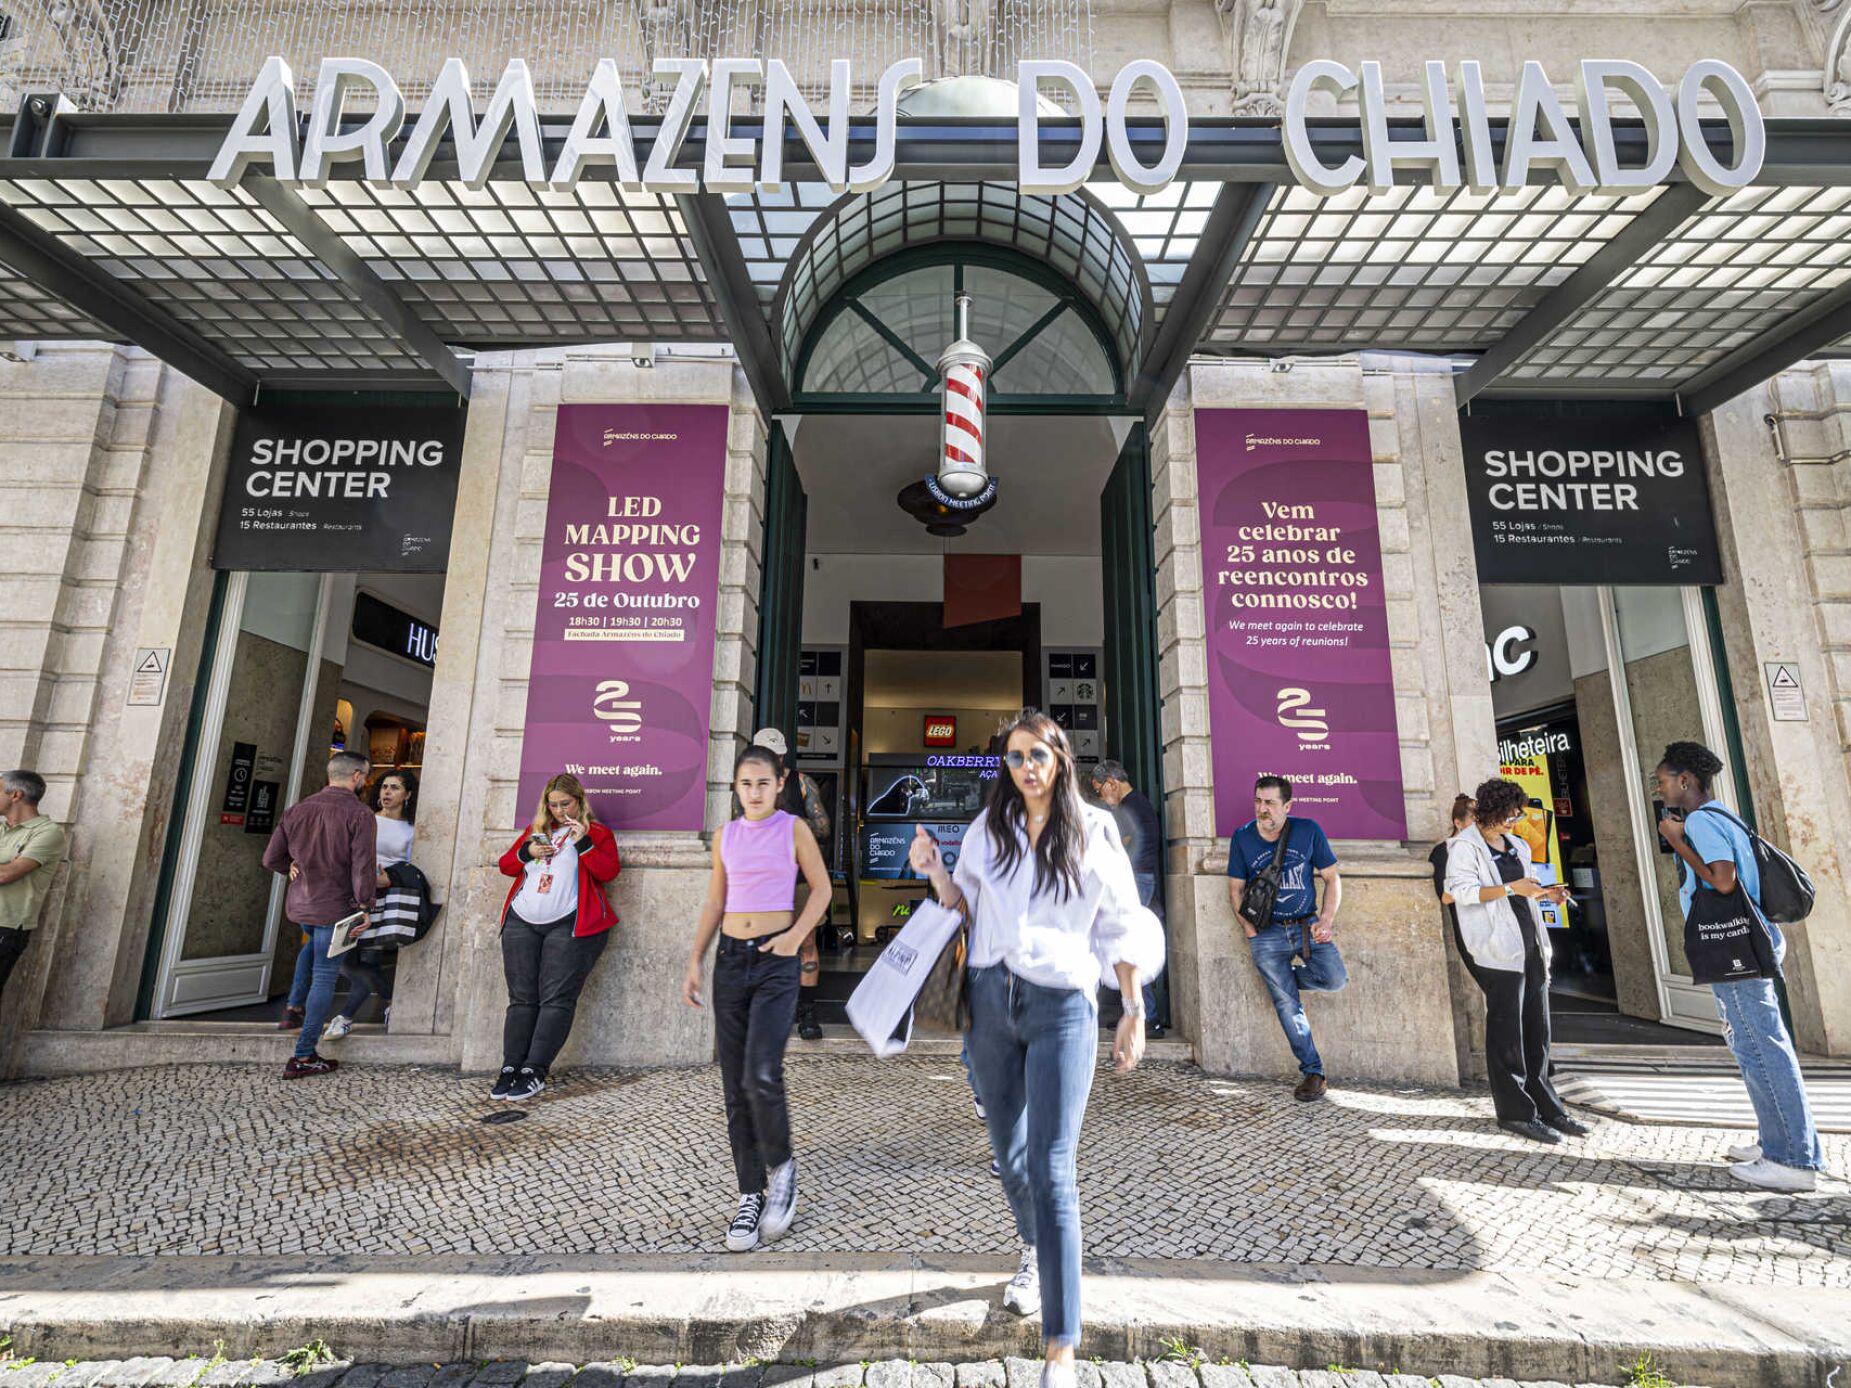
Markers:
point(1770, 1175)
point(1023, 1294)
point(337, 1028)
point(1745, 1152)
point(1058, 1375)
point(780, 1202)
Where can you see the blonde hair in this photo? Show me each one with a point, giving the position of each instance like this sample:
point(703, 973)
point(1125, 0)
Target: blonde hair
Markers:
point(565, 781)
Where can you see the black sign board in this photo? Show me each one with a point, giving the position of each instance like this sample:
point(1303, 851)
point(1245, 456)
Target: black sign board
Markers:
point(1620, 501)
point(238, 783)
point(392, 629)
point(364, 490)
point(262, 817)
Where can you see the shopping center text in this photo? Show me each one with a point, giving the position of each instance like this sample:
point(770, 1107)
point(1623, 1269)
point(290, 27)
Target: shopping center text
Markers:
point(1456, 148)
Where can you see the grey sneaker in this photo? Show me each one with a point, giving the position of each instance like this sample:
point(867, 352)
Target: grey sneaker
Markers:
point(1747, 1152)
point(780, 1202)
point(1023, 1294)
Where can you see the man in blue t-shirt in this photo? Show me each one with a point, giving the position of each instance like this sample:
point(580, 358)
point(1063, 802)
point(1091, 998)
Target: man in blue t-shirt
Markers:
point(1293, 948)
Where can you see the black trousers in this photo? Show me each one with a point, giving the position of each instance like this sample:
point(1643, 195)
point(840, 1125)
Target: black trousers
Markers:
point(546, 966)
point(1517, 1033)
point(754, 1006)
point(12, 945)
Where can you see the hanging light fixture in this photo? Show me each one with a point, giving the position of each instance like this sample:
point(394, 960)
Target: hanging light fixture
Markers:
point(962, 488)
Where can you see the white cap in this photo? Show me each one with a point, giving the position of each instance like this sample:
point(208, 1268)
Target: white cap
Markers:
point(773, 739)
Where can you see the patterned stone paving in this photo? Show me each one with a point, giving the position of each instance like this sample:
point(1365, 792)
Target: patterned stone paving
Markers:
point(394, 1160)
point(201, 1372)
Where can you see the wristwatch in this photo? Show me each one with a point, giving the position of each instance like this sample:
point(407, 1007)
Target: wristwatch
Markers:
point(1132, 1003)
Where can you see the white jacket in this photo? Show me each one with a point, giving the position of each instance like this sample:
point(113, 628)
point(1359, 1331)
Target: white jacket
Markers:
point(1489, 928)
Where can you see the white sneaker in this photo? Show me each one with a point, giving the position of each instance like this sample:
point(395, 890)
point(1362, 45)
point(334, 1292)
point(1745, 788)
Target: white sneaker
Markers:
point(337, 1028)
point(780, 1202)
point(742, 1234)
point(1057, 1375)
point(1023, 1294)
point(1770, 1175)
point(1746, 1152)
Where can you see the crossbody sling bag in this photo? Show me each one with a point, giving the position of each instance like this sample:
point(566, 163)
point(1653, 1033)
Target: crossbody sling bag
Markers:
point(1262, 893)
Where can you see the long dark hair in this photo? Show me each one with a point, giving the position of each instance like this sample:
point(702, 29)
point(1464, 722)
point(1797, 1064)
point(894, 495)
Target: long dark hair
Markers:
point(407, 779)
point(1063, 840)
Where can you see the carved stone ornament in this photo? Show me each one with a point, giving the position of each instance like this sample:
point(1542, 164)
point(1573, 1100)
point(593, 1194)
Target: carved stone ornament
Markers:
point(1260, 35)
point(1838, 68)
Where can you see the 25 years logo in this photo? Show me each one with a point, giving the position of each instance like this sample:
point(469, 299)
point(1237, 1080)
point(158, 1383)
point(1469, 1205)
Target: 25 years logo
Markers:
point(621, 714)
point(1295, 712)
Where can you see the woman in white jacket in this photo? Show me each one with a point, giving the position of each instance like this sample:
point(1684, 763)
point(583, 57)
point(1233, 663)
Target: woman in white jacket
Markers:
point(1493, 888)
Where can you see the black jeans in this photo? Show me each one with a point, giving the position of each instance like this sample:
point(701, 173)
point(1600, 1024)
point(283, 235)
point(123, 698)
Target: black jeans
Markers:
point(12, 945)
point(366, 969)
point(754, 1006)
point(547, 966)
point(1517, 1033)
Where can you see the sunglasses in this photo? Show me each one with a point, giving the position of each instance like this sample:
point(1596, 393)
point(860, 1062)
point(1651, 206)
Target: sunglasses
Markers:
point(1040, 754)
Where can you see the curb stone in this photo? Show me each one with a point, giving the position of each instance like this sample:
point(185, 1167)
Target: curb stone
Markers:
point(136, 1373)
point(1114, 1375)
point(842, 1376)
point(1229, 1376)
point(364, 1375)
point(985, 1373)
point(1167, 1373)
point(1022, 1373)
point(602, 1374)
point(495, 1372)
point(890, 1373)
point(941, 1375)
point(411, 1376)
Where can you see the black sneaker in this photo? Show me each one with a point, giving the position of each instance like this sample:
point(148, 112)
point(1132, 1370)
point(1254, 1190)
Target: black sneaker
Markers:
point(526, 1084)
point(503, 1082)
point(742, 1234)
point(807, 1026)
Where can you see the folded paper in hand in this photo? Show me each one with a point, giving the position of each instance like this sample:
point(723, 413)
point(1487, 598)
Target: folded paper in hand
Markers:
point(882, 1006)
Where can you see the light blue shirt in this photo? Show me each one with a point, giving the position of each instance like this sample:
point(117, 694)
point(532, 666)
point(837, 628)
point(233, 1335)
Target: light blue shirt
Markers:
point(1716, 838)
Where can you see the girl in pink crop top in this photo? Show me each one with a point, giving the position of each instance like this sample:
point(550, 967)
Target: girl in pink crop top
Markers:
point(750, 896)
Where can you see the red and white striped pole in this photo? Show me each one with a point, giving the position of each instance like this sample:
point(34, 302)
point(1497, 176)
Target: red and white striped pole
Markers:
point(964, 368)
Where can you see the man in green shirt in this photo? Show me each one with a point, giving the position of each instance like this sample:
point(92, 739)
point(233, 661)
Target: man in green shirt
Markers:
point(31, 847)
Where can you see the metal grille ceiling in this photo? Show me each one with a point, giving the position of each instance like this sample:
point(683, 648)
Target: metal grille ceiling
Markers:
point(1414, 269)
point(29, 311)
point(509, 264)
point(1072, 234)
point(1706, 290)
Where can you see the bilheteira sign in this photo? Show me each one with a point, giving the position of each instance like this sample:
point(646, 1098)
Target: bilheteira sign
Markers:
point(1456, 149)
point(620, 687)
point(1299, 679)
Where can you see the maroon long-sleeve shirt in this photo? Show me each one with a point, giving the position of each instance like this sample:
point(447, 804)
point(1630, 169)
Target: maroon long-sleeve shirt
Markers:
point(334, 839)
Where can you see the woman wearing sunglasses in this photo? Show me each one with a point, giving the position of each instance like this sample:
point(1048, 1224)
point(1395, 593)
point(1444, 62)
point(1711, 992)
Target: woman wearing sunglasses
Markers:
point(1055, 913)
point(1494, 891)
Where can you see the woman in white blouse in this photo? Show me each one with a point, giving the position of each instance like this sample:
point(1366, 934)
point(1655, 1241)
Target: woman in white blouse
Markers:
point(1054, 914)
point(395, 810)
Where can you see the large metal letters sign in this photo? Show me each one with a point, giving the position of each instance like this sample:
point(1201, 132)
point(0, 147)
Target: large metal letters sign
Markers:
point(267, 135)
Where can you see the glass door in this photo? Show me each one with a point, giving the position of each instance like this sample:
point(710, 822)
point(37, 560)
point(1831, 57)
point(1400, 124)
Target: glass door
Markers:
point(1664, 687)
point(257, 735)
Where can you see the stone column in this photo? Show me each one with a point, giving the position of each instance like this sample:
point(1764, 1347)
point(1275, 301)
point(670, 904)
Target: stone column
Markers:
point(1396, 1021)
point(107, 462)
point(1780, 467)
point(630, 1013)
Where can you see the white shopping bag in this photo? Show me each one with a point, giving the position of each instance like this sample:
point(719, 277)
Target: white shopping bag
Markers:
point(881, 1008)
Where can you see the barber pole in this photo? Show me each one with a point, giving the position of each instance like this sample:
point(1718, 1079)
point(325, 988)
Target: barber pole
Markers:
point(964, 367)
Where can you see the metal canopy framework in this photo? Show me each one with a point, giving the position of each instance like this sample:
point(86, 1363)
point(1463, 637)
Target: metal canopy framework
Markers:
point(109, 228)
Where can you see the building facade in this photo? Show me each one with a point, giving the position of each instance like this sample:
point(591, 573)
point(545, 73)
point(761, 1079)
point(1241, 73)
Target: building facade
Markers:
point(177, 678)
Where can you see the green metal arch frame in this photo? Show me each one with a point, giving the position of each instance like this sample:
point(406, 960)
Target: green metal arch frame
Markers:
point(958, 254)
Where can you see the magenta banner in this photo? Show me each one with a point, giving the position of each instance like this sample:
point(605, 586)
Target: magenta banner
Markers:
point(621, 686)
point(1299, 682)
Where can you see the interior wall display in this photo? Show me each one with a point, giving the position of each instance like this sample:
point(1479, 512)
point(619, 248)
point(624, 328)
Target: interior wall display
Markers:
point(620, 688)
point(819, 703)
point(1527, 765)
point(1299, 682)
point(314, 489)
point(1589, 501)
point(1076, 698)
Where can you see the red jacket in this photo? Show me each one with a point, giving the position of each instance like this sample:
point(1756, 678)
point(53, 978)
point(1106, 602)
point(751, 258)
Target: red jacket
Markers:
point(596, 865)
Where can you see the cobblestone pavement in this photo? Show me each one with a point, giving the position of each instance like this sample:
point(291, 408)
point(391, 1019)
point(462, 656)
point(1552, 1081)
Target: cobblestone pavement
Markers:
point(395, 1160)
point(202, 1372)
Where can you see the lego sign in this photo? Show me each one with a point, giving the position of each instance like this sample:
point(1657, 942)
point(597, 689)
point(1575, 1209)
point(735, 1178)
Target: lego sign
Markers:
point(941, 730)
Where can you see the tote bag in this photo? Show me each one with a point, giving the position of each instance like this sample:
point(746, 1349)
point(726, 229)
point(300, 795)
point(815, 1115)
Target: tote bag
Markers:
point(1724, 937)
point(881, 1008)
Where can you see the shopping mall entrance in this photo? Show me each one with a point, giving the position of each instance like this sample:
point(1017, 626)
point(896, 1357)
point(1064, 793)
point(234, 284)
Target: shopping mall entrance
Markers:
point(897, 634)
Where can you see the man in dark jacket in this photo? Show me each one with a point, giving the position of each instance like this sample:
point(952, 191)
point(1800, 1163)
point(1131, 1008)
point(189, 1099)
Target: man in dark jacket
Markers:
point(327, 845)
point(1138, 826)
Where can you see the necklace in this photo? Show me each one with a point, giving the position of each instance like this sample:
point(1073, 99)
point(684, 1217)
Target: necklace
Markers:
point(1037, 819)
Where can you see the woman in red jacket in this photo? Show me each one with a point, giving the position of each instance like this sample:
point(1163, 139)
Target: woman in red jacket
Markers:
point(553, 928)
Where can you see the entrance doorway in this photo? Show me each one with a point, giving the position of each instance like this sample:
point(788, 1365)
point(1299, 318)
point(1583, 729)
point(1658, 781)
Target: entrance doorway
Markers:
point(1590, 684)
point(300, 666)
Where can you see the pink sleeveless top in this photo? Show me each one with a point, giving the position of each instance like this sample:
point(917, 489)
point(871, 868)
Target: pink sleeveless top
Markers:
point(761, 863)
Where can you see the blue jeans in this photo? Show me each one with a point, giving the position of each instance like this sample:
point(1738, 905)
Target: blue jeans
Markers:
point(1750, 1012)
point(1322, 972)
point(305, 971)
point(323, 981)
point(1032, 1051)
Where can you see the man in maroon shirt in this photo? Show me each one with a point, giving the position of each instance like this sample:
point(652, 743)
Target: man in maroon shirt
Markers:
point(327, 846)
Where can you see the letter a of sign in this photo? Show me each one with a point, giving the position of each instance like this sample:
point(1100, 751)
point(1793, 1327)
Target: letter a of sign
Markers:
point(272, 102)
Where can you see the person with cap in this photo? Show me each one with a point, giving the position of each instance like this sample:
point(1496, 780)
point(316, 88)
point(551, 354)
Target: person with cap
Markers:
point(801, 797)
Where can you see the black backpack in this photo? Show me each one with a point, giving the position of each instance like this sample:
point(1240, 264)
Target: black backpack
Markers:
point(1787, 892)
